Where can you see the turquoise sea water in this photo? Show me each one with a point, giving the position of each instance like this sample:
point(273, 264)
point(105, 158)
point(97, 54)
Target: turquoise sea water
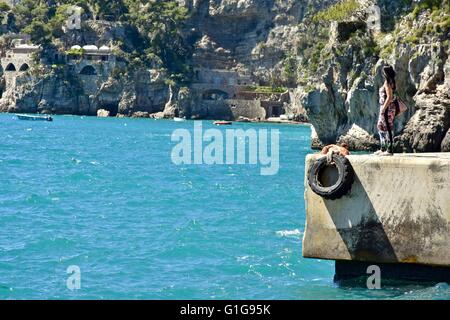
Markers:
point(103, 194)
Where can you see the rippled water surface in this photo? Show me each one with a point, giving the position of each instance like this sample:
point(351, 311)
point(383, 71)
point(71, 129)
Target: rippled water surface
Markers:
point(103, 194)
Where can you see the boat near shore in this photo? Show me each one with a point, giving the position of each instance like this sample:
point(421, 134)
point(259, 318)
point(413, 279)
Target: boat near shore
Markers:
point(223, 123)
point(177, 119)
point(34, 117)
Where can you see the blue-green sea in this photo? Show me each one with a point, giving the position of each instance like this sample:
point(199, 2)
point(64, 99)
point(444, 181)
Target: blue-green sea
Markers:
point(104, 195)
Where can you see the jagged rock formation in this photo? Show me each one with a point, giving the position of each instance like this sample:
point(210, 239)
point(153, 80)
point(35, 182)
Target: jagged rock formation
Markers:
point(445, 146)
point(248, 35)
point(83, 94)
point(346, 91)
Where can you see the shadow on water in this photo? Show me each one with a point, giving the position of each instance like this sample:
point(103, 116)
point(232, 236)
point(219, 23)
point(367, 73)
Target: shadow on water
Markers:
point(400, 284)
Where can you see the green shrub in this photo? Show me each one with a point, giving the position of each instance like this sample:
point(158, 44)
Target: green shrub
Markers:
point(4, 7)
point(266, 89)
point(75, 52)
point(337, 12)
point(433, 5)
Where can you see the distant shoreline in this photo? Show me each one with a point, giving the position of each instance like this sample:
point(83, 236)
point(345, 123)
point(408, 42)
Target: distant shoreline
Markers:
point(291, 122)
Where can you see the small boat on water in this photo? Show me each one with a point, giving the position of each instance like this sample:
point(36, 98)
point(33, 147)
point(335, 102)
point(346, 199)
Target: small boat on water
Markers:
point(223, 123)
point(34, 117)
point(177, 119)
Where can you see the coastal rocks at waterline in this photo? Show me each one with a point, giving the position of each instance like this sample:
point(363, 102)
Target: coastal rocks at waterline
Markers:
point(426, 130)
point(73, 94)
point(246, 36)
point(346, 96)
point(102, 113)
point(179, 104)
point(359, 139)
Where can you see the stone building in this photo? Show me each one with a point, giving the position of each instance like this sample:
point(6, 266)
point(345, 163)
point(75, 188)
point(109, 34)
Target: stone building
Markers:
point(92, 61)
point(20, 57)
point(228, 94)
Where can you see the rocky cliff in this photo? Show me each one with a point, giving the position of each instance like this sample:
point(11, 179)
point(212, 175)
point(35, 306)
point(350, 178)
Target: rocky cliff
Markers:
point(70, 93)
point(252, 36)
point(342, 100)
point(247, 36)
point(326, 52)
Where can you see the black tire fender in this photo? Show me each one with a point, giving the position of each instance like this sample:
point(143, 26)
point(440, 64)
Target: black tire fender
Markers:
point(343, 184)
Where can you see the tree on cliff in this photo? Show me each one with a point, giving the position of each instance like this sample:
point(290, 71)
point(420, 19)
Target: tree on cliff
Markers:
point(153, 28)
point(160, 23)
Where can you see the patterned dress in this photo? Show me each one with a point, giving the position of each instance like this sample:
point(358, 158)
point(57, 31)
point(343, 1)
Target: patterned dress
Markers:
point(382, 124)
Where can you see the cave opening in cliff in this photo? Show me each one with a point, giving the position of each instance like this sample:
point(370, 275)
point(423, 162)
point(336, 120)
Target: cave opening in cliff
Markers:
point(113, 108)
point(276, 111)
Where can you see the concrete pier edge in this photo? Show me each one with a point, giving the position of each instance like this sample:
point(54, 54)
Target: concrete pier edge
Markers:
point(396, 216)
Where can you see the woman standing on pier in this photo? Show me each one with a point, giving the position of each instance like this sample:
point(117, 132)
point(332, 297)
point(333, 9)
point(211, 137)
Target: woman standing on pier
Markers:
point(385, 123)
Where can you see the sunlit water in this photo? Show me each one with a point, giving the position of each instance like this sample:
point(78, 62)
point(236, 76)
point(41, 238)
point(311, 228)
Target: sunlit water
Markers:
point(103, 194)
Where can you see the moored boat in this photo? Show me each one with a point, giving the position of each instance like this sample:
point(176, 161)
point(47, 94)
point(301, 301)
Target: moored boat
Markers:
point(177, 119)
point(34, 117)
point(223, 123)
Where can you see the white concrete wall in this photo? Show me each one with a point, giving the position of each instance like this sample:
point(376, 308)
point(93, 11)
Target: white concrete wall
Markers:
point(398, 211)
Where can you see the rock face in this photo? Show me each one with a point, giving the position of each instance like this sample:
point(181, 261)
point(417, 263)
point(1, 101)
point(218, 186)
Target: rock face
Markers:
point(72, 93)
point(247, 35)
point(426, 130)
point(346, 90)
point(445, 146)
point(333, 110)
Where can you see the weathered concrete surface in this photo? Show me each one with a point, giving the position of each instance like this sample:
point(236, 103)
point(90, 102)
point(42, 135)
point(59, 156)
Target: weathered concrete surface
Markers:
point(398, 211)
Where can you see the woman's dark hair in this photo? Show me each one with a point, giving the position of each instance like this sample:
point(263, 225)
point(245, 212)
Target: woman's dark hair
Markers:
point(389, 75)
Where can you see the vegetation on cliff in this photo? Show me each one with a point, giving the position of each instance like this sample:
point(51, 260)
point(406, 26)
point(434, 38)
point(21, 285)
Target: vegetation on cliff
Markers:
point(340, 71)
point(153, 28)
point(400, 25)
point(338, 12)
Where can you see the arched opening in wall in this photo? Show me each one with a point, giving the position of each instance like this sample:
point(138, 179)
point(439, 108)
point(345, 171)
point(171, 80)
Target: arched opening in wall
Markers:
point(10, 67)
point(24, 67)
point(88, 71)
point(215, 95)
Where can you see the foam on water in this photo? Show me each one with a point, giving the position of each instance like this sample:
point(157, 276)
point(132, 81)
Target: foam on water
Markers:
point(104, 195)
point(289, 233)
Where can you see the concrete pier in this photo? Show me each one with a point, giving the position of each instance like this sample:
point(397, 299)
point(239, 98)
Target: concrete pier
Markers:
point(397, 212)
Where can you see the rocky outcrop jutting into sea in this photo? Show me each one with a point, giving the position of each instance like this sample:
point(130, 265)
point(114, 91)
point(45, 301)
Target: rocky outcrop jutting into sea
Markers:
point(343, 105)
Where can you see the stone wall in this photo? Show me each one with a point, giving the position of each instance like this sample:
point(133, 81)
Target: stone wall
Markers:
point(229, 109)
